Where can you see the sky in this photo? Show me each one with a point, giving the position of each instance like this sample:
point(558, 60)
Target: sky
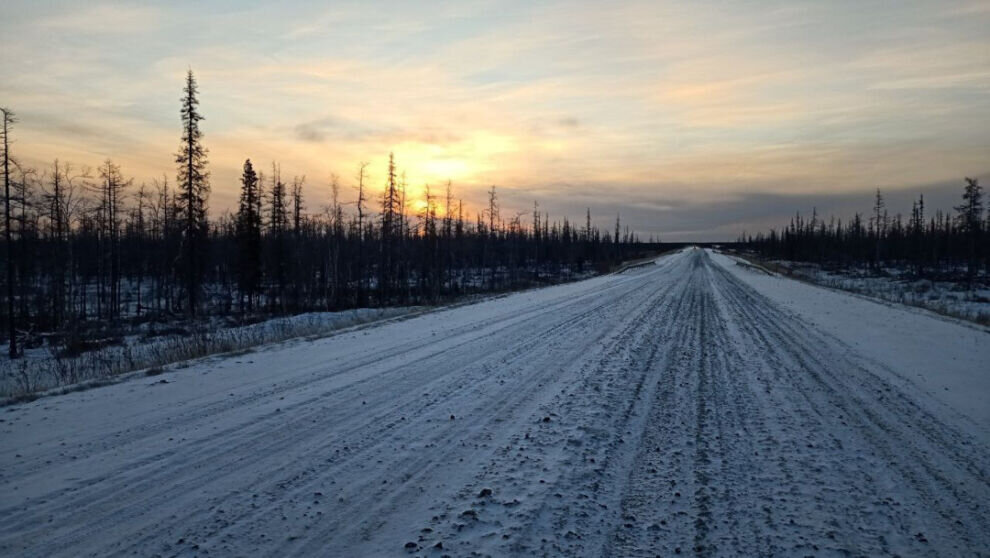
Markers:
point(693, 120)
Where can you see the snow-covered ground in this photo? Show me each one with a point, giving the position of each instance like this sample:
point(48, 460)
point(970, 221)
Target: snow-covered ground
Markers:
point(692, 406)
point(899, 284)
point(945, 357)
point(43, 369)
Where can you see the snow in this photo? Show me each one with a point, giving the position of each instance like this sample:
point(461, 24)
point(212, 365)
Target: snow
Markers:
point(41, 369)
point(898, 283)
point(910, 342)
point(692, 405)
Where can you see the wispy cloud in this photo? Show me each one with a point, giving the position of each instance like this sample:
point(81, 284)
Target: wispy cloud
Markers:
point(664, 104)
point(103, 19)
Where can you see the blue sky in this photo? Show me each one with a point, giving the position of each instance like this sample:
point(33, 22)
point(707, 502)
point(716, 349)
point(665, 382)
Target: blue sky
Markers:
point(693, 119)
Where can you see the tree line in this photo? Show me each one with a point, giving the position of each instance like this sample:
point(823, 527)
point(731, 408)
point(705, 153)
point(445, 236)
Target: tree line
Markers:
point(88, 247)
point(945, 244)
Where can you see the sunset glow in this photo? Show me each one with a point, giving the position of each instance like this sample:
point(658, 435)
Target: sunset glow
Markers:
point(510, 278)
point(624, 108)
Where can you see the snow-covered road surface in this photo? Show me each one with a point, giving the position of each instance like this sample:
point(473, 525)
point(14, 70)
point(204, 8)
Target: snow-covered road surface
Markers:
point(690, 407)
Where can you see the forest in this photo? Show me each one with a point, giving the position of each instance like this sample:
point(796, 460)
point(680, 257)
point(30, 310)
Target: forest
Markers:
point(945, 245)
point(87, 250)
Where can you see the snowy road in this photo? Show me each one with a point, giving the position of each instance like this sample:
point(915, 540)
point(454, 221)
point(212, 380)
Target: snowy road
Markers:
point(692, 406)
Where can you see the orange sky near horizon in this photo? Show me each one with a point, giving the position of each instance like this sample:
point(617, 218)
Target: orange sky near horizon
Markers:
point(657, 110)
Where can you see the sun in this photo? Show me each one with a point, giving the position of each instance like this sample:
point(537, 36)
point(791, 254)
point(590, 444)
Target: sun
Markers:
point(418, 206)
point(465, 159)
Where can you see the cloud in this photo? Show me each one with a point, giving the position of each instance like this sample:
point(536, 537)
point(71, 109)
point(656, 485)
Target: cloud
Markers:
point(318, 131)
point(657, 109)
point(726, 218)
point(104, 18)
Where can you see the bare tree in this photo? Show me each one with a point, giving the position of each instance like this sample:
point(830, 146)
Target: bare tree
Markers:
point(361, 200)
point(9, 120)
point(111, 187)
point(335, 231)
point(493, 217)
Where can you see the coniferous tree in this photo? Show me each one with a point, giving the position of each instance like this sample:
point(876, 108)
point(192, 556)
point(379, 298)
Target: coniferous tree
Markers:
point(297, 209)
point(194, 190)
point(970, 221)
point(879, 222)
point(138, 236)
point(917, 231)
point(391, 228)
point(277, 223)
point(935, 246)
point(249, 237)
point(109, 256)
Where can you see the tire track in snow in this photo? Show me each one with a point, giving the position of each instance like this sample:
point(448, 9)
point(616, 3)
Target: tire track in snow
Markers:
point(898, 435)
point(268, 438)
point(816, 450)
point(670, 408)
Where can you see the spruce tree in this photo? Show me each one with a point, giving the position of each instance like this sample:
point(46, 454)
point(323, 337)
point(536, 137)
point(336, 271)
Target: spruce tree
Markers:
point(390, 229)
point(249, 237)
point(194, 189)
point(277, 222)
point(970, 220)
point(879, 224)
